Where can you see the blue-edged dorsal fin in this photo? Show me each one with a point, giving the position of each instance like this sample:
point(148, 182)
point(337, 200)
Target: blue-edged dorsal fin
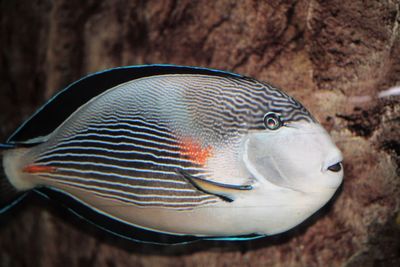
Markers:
point(47, 118)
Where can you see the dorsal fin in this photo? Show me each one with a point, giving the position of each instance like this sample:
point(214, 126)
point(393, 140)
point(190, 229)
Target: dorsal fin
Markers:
point(47, 118)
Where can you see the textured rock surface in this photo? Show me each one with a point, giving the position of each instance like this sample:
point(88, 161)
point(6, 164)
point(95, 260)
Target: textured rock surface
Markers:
point(334, 56)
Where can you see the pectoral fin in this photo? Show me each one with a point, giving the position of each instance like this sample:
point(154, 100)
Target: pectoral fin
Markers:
point(226, 192)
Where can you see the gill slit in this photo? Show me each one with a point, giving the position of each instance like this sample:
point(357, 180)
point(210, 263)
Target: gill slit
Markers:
point(263, 180)
point(253, 171)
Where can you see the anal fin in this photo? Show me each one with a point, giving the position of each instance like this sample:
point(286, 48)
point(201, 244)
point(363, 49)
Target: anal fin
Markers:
point(226, 192)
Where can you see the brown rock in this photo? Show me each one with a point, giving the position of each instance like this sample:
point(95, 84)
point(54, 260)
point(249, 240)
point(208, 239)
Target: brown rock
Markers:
point(334, 56)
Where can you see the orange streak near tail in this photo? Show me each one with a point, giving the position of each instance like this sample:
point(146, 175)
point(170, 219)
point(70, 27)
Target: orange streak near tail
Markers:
point(195, 152)
point(38, 169)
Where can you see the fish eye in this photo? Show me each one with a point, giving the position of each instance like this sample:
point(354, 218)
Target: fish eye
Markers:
point(272, 121)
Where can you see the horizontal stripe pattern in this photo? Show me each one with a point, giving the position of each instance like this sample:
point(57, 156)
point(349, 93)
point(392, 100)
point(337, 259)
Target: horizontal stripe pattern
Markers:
point(123, 147)
point(128, 162)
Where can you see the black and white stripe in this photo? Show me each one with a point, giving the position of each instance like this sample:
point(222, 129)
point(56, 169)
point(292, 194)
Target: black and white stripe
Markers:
point(124, 145)
point(236, 105)
point(126, 162)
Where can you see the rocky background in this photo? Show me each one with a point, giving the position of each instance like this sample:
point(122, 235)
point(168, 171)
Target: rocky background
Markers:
point(334, 56)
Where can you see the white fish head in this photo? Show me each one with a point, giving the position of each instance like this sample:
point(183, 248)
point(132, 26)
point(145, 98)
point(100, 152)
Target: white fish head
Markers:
point(300, 156)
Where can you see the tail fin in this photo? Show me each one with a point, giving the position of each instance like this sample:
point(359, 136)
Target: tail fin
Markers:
point(9, 195)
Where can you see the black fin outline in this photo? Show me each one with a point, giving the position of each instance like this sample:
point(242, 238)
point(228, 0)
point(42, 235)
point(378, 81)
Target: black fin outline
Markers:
point(68, 100)
point(125, 230)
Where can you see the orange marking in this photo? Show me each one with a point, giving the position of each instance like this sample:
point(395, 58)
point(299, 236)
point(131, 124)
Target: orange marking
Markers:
point(194, 151)
point(37, 169)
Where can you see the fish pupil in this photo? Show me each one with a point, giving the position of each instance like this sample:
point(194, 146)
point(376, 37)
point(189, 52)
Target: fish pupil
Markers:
point(272, 122)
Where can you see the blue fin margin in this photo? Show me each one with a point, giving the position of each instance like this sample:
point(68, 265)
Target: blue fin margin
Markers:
point(122, 229)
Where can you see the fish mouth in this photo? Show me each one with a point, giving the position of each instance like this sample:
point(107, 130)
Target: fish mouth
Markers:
point(336, 167)
point(333, 164)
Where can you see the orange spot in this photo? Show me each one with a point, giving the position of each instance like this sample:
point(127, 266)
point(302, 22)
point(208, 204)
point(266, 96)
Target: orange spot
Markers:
point(37, 169)
point(194, 151)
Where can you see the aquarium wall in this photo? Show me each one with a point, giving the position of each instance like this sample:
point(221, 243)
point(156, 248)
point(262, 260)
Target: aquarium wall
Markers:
point(341, 59)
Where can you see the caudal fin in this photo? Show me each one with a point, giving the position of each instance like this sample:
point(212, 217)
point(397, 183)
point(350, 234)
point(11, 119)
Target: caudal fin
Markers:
point(9, 195)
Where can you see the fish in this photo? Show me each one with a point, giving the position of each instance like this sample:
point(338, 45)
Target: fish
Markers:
point(170, 154)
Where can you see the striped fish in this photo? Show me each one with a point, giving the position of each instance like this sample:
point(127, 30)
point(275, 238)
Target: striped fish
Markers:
point(171, 154)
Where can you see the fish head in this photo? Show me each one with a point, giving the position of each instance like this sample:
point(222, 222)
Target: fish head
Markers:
point(294, 154)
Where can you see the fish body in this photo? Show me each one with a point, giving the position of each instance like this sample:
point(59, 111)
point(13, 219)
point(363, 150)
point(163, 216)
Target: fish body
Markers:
point(177, 151)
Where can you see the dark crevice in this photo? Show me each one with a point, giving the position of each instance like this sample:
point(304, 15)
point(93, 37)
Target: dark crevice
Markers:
point(362, 122)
